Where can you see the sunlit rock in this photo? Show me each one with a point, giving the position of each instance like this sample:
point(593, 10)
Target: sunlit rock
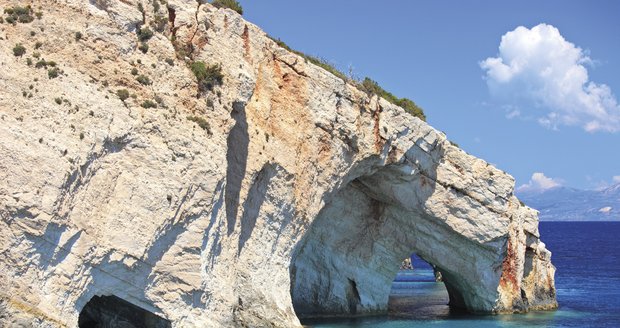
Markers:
point(280, 193)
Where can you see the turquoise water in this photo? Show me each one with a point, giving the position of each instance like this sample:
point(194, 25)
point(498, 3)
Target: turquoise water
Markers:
point(587, 258)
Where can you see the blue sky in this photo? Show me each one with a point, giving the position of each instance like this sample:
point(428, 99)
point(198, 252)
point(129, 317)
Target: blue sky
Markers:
point(431, 52)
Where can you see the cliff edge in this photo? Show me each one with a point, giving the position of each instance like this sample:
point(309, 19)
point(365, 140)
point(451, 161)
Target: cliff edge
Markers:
point(273, 191)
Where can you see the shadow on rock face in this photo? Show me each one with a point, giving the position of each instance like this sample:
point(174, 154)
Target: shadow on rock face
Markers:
point(237, 160)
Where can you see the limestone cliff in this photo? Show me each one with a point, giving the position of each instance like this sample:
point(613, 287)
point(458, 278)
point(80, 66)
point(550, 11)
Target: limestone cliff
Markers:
point(280, 192)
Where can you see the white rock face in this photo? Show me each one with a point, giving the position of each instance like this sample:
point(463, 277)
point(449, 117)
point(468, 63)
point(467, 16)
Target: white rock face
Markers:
point(301, 197)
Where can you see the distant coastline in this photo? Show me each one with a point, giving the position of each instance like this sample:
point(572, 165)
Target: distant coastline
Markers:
point(570, 204)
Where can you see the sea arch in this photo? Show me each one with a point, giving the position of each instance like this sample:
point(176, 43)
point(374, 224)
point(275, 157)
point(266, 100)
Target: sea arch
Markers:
point(348, 258)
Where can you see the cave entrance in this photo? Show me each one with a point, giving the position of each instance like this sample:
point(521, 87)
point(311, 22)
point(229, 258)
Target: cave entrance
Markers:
point(418, 291)
point(345, 263)
point(111, 311)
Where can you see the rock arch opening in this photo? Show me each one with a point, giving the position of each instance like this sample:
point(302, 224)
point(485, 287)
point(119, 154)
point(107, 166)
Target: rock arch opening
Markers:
point(345, 264)
point(111, 311)
point(418, 290)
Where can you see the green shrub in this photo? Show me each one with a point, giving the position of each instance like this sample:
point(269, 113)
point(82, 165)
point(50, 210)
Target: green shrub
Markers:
point(232, 4)
point(53, 72)
point(149, 104)
point(41, 63)
point(134, 71)
point(169, 61)
point(207, 76)
point(58, 100)
point(122, 94)
point(144, 48)
point(29, 61)
point(159, 23)
point(19, 14)
point(19, 50)
point(202, 123)
point(373, 88)
point(78, 36)
point(144, 80)
point(144, 34)
point(38, 44)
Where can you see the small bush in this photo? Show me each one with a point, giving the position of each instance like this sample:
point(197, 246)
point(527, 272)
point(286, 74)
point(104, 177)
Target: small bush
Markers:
point(208, 76)
point(38, 44)
point(78, 36)
point(148, 104)
point(19, 14)
point(41, 63)
point(202, 123)
point(144, 80)
point(169, 61)
point(232, 4)
point(159, 23)
point(53, 72)
point(122, 94)
point(144, 48)
point(144, 34)
point(373, 88)
point(58, 100)
point(19, 50)
point(29, 61)
point(134, 71)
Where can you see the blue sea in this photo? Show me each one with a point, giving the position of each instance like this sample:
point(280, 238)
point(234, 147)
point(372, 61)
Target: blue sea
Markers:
point(587, 258)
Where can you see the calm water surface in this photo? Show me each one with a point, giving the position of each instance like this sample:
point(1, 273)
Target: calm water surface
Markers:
point(587, 258)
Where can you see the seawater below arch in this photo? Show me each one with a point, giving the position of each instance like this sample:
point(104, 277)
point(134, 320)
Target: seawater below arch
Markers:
point(346, 262)
point(418, 291)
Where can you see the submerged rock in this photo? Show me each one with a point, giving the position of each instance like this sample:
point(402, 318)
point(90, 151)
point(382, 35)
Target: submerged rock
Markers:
point(276, 192)
point(406, 264)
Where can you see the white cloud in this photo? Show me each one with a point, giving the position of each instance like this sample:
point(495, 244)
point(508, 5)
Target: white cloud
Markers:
point(616, 179)
point(538, 70)
point(513, 113)
point(539, 182)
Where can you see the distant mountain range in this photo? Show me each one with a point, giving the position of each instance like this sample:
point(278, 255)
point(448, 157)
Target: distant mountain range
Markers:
point(569, 204)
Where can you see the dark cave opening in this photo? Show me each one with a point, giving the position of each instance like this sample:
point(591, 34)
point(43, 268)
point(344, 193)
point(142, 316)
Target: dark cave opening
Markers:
point(114, 312)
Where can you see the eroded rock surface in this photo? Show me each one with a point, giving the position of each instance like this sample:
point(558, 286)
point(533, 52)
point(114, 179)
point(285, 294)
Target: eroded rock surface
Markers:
point(301, 196)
